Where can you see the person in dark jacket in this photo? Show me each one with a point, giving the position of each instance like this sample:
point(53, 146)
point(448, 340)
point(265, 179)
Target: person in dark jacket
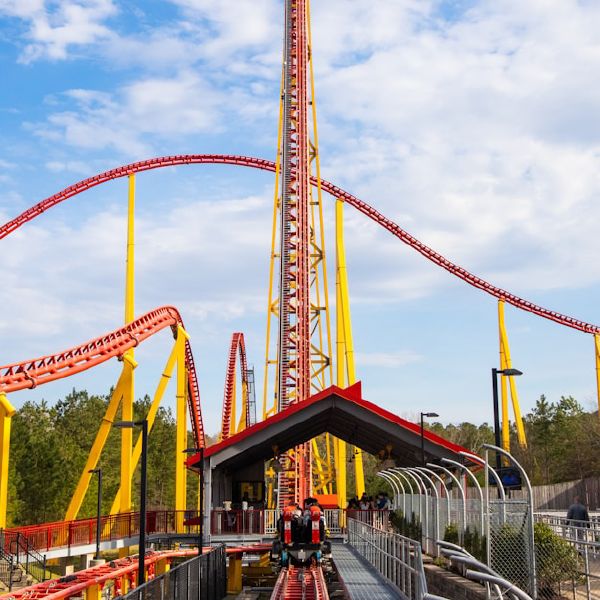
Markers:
point(577, 518)
point(577, 515)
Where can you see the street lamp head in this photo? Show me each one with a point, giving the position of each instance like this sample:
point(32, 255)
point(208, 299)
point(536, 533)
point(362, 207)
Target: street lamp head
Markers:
point(429, 414)
point(95, 471)
point(510, 372)
point(127, 424)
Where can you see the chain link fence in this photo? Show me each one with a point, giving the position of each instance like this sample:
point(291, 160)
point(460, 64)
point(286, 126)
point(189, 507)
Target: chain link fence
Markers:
point(511, 542)
point(201, 578)
point(568, 556)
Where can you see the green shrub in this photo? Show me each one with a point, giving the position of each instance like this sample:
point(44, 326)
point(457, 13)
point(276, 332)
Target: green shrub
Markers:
point(451, 534)
point(410, 529)
point(556, 559)
point(476, 545)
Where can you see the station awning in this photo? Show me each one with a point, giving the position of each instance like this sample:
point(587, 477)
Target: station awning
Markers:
point(342, 413)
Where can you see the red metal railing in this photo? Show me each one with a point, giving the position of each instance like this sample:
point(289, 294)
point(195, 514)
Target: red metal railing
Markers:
point(237, 522)
point(65, 534)
point(83, 531)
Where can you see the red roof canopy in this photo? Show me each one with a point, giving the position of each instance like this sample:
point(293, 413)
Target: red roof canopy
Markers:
point(344, 414)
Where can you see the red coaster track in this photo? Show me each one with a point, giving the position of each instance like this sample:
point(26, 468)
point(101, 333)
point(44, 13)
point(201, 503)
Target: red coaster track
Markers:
point(37, 371)
point(236, 348)
point(301, 583)
point(369, 211)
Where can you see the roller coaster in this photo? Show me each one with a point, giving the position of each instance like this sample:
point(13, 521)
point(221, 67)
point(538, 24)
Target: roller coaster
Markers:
point(299, 305)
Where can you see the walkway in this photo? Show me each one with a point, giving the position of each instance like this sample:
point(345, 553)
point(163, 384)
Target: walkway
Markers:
point(358, 578)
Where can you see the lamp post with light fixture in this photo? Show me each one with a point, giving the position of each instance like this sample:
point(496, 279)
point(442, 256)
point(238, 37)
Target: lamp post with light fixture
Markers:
point(495, 372)
point(200, 496)
point(99, 513)
point(144, 468)
point(427, 414)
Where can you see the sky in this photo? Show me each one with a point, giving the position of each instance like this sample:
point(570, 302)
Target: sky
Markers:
point(472, 124)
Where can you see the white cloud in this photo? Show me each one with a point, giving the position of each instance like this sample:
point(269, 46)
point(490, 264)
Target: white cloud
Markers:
point(230, 26)
point(55, 27)
point(161, 107)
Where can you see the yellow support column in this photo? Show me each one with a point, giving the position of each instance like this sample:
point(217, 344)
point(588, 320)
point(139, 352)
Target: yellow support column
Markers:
point(94, 592)
point(129, 391)
point(234, 573)
point(162, 566)
point(181, 445)
point(343, 320)
point(7, 412)
point(597, 347)
point(340, 445)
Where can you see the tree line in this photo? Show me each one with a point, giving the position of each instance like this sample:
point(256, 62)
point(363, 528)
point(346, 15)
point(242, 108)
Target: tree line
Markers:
point(50, 446)
point(563, 441)
point(49, 449)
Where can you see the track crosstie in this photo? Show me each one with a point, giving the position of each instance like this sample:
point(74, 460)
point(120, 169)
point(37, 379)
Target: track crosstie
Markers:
point(300, 583)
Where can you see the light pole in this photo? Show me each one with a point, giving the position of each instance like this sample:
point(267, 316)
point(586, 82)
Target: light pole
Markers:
point(427, 414)
point(200, 497)
point(99, 514)
point(142, 543)
point(498, 443)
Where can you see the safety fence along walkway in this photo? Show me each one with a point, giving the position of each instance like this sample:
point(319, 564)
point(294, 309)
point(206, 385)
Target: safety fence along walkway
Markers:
point(201, 577)
point(396, 558)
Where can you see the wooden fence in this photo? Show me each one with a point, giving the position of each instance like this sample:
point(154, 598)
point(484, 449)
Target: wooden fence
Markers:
point(559, 496)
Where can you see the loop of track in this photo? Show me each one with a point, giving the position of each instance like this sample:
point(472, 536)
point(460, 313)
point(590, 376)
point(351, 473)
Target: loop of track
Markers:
point(369, 211)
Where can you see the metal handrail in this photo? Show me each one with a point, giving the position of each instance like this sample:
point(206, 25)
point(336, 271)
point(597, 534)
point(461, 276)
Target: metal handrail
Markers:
point(34, 561)
point(7, 558)
point(395, 557)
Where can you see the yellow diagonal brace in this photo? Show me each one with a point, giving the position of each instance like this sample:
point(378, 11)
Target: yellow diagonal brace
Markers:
point(7, 412)
point(505, 363)
point(96, 450)
point(318, 472)
point(178, 349)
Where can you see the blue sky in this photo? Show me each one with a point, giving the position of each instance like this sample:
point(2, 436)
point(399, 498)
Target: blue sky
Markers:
point(473, 125)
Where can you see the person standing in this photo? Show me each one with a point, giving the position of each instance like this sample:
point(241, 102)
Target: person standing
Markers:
point(383, 502)
point(577, 515)
point(577, 518)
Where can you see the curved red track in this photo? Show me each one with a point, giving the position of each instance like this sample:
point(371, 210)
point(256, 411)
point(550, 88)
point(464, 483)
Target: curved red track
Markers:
point(369, 211)
point(37, 371)
point(236, 348)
